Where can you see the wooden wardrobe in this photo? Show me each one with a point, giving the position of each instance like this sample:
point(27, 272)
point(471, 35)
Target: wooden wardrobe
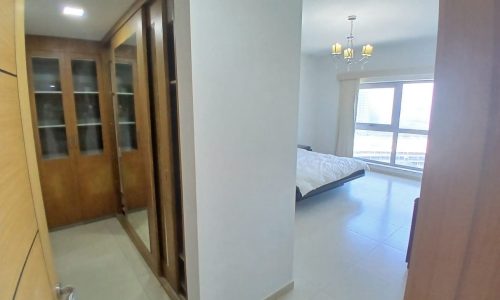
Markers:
point(72, 113)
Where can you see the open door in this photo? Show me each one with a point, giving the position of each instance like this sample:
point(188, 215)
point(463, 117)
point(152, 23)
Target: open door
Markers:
point(455, 252)
point(27, 270)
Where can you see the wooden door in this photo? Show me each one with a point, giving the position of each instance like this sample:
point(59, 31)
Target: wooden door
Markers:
point(82, 185)
point(94, 146)
point(133, 133)
point(7, 37)
point(35, 281)
point(456, 249)
point(17, 215)
point(22, 217)
point(165, 126)
point(55, 139)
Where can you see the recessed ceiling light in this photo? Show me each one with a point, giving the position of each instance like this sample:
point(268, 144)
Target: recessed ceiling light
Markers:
point(73, 11)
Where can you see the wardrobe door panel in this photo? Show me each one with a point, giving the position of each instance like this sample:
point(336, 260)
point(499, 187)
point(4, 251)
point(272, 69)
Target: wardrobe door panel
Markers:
point(55, 141)
point(94, 159)
point(133, 128)
point(165, 119)
point(17, 215)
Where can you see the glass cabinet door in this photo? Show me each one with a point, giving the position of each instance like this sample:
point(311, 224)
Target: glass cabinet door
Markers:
point(49, 108)
point(126, 112)
point(86, 94)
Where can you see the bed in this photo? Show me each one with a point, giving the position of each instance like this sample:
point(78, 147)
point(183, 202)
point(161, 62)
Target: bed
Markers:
point(318, 172)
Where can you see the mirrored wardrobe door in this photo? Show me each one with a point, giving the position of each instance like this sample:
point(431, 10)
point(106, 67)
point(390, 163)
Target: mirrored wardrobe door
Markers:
point(133, 136)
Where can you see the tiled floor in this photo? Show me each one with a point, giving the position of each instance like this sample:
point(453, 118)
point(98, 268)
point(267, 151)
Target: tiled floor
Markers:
point(350, 243)
point(139, 221)
point(102, 263)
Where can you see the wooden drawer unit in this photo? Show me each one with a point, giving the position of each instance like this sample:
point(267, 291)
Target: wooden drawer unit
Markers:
point(17, 216)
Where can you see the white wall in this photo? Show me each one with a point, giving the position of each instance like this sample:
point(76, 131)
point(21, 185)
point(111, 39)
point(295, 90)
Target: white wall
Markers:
point(182, 33)
point(317, 107)
point(319, 86)
point(245, 58)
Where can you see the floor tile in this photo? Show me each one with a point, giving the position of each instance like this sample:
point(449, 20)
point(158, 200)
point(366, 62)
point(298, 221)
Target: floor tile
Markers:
point(101, 262)
point(350, 243)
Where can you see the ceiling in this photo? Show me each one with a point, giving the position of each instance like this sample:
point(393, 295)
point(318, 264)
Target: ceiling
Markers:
point(379, 21)
point(44, 17)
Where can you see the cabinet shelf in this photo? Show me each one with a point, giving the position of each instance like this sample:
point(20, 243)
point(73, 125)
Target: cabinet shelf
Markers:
point(48, 92)
point(127, 123)
point(52, 126)
point(90, 124)
point(124, 94)
point(55, 156)
point(86, 93)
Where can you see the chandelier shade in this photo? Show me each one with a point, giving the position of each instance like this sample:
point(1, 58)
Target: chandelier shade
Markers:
point(348, 52)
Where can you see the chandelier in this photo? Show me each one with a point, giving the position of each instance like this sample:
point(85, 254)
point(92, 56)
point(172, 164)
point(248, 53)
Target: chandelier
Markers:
point(349, 53)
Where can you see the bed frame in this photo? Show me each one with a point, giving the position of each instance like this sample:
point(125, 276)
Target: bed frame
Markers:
point(329, 186)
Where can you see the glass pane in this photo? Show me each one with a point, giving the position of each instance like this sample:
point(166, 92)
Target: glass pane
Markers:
point(416, 105)
point(46, 74)
point(49, 109)
point(125, 93)
point(53, 140)
point(90, 138)
point(87, 109)
point(127, 137)
point(124, 78)
point(126, 111)
point(84, 75)
point(411, 150)
point(375, 106)
point(373, 145)
point(87, 106)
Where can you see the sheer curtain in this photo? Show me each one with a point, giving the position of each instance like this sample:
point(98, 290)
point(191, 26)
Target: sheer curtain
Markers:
point(348, 98)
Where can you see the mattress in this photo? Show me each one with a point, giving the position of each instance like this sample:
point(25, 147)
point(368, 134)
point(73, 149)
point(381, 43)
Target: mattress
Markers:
point(315, 169)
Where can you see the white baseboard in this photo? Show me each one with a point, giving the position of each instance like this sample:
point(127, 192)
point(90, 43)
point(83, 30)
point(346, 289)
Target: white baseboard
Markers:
point(283, 290)
point(410, 174)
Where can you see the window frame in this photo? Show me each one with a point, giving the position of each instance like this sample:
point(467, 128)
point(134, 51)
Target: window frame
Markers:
point(395, 119)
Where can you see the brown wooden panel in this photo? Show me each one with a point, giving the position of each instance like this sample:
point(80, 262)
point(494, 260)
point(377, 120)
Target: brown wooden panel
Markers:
point(456, 247)
point(36, 190)
point(17, 217)
point(7, 36)
point(96, 181)
point(165, 146)
point(58, 176)
point(83, 187)
point(34, 282)
point(135, 184)
point(96, 187)
point(60, 194)
point(57, 45)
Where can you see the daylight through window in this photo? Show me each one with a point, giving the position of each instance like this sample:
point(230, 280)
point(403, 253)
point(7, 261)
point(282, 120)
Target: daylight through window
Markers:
point(392, 123)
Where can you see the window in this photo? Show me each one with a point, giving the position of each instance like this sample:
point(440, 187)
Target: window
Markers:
point(392, 123)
